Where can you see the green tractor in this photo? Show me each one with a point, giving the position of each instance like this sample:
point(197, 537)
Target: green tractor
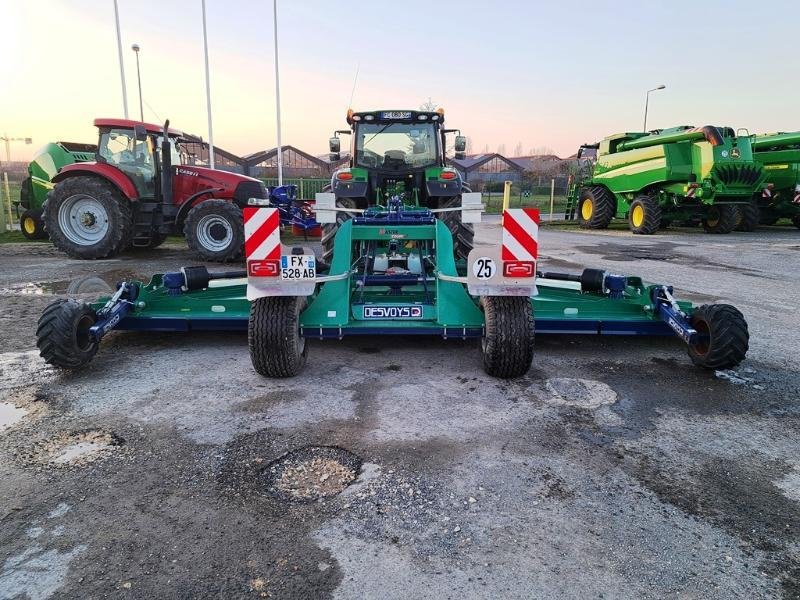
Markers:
point(779, 197)
point(667, 175)
point(46, 163)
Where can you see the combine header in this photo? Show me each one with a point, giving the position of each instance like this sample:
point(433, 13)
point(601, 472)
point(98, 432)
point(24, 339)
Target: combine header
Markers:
point(779, 197)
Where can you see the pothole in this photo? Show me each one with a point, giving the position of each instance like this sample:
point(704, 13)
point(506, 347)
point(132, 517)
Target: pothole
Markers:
point(10, 415)
point(312, 473)
point(583, 393)
point(75, 449)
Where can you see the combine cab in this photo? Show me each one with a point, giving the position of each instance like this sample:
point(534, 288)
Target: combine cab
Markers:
point(679, 174)
point(779, 196)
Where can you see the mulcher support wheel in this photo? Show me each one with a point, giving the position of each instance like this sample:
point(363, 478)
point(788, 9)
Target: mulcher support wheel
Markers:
point(463, 233)
point(749, 216)
point(721, 218)
point(276, 347)
point(214, 229)
point(508, 339)
point(644, 217)
point(62, 335)
point(725, 336)
point(596, 207)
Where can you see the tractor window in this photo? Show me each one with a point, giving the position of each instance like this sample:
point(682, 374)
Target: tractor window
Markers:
point(119, 148)
point(396, 145)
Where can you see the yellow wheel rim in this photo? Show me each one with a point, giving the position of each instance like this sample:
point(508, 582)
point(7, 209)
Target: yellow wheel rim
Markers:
point(637, 215)
point(30, 225)
point(587, 208)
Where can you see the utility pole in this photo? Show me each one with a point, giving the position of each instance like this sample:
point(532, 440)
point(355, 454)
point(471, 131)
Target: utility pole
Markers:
point(646, 102)
point(121, 62)
point(208, 92)
point(277, 94)
point(136, 49)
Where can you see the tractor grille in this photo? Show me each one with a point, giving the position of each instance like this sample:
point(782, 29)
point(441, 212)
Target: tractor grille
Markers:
point(734, 175)
point(249, 189)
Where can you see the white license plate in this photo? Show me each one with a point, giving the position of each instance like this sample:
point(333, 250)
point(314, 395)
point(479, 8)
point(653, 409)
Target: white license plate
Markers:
point(298, 266)
point(396, 115)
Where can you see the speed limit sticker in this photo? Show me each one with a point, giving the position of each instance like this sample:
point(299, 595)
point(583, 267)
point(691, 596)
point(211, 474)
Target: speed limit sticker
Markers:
point(484, 268)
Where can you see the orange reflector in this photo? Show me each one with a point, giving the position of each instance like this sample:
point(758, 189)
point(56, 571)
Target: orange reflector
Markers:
point(519, 268)
point(263, 268)
point(447, 175)
point(344, 176)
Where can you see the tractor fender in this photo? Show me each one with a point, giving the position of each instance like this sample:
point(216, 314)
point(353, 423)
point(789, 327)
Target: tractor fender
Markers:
point(191, 202)
point(444, 189)
point(121, 181)
point(350, 189)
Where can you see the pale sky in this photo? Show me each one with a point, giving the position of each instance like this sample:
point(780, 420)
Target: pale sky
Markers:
point(543, 74)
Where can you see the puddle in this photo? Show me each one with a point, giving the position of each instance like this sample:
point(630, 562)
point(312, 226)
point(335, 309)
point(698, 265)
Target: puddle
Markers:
point(76, 449)
point(790, 484)
point(312, 473)
point(10, 415)
point(583, 393)
point(102, 283)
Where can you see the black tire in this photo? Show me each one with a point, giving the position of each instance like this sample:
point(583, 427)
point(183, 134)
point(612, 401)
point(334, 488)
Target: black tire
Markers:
point(26, 193)
point(156, 239)
point(796, 221)
point(463, 233)
point(62, 334)
point(214, 230)
point(273, 334)
point(508, 339)
point(665, 223)
point(88, 235)
point(329, 229)
point(727, 336)
point(596, 207)
point(31, 225)
point(644, 216)
point(720, 218)
point(748, 216)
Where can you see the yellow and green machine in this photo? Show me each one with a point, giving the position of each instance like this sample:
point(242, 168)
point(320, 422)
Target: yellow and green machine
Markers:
point(779, 196)
point(668, 175)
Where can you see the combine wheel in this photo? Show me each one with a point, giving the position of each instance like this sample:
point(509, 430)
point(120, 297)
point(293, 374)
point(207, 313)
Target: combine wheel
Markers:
point(596, 207)
point(329, 229)
point(62, 335)
point(644, 217)
point(31, 225)
point(86, 217)
point(214, 229)
point(508, 338)
point(725, 336)
point(463, 233)
point(720, 218)
point(748, 216)
point(276, 347)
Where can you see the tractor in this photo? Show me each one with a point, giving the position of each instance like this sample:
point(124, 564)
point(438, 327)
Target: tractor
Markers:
point(655, 178)
point(779, 197)
point(136, 192)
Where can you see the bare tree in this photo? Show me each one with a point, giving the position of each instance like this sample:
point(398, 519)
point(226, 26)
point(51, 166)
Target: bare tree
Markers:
point(501, 149)
point(486, 148)
point(469, 145)
point(518, 149)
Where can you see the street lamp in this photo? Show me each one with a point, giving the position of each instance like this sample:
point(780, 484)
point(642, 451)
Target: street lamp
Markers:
point(135, 48)
point(208, 91)
point(277, 93)
point(647, 101)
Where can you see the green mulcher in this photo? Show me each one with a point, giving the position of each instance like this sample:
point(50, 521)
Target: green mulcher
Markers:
point(779, 196)
point(46, 163)
point(681, 174)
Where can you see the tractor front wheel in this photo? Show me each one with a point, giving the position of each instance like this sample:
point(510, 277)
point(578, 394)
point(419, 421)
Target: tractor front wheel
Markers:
point(508, 337)
point(463, 233)
point(31, 225)
point(644, 217)
point(748, 216)
point(720, 218)
point(214, 230)
point(62, 334)
point(596, 207)
point(329, 229)
point(724, 338)
point(273, 333)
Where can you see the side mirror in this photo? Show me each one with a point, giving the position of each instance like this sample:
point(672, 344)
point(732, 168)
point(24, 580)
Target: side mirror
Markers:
point(334, 145)
point(139, 133)
point(460, 155)
point(461, 143)
point(334, 157)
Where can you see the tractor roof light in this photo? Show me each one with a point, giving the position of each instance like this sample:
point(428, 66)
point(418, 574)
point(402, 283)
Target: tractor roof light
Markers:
point(435, 118)
point(422, 117)
point(369, 117)
point(356, 117)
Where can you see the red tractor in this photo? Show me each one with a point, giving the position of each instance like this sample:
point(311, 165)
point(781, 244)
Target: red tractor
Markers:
point(136, 192)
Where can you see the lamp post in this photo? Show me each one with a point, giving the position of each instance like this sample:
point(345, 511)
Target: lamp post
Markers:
point(208, 92)
point(135, 49)
point(279, 155)
point(647, 102)
point(121, 64)
point(6, 205)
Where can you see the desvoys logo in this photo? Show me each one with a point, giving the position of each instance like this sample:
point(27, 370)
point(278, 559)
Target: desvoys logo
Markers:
point(392, 312)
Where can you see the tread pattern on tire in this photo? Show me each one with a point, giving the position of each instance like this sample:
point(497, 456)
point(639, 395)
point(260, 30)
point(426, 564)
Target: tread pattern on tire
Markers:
point(749, 216)
point(329, 229)
point(729, 336)
point(228, 210)
point(463, 233)
point(728, 215)
point(38, 233)
point(604, 207)
point(652, 215)
point(272, 336)
point(55, 334)
point(509, 335)
point(119, 210)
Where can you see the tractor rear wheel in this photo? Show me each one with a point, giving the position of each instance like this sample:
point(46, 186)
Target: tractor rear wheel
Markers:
point(725, 338)
point(720, 218)
point(88, 218)
point(62, 334)
point(31, 225)
point(214, 229)
point(508, 335)
point(644, 217)
point(596, 207)
point(748, 216)
point(463, 233)
point(273, 333)
point(329, 229)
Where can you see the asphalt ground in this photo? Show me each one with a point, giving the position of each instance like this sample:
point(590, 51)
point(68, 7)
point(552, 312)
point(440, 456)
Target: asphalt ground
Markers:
point(394, 467)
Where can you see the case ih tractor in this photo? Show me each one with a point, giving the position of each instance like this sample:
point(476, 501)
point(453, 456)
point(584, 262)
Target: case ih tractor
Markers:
point(136, 192)
point(679, 174)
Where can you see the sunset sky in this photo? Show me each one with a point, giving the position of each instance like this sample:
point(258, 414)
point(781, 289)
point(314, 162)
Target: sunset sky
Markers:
point(549, 74)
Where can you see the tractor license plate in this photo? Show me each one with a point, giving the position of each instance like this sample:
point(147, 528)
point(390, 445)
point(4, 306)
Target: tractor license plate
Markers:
point(298, 266)
point(396, 114)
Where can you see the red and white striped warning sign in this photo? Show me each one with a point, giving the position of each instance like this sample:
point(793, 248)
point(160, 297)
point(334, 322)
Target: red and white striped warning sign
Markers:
point(520, 234)
point(262, 236)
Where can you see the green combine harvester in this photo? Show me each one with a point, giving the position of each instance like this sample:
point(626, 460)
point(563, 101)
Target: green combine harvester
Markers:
point(394, 267)
point(779, 153)
point(668, 175)
point(46, 163)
